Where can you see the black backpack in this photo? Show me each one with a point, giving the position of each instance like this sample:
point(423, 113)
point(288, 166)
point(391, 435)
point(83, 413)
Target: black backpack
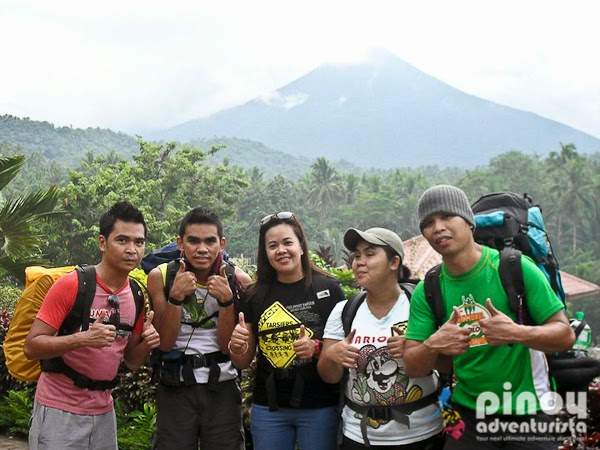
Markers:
point(79, 316)
point(167, 366)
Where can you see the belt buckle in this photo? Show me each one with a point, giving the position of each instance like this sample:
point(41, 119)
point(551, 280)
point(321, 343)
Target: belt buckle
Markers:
point(380, 413)
point(199, 361)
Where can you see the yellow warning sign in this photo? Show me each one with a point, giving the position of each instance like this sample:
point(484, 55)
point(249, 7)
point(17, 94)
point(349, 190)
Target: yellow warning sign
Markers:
point(278, 329)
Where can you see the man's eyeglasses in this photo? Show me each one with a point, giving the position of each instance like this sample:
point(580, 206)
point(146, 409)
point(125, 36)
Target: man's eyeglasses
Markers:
point(283, 215)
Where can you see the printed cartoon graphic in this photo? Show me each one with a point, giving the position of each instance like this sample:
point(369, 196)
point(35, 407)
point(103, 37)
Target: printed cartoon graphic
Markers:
point(380, 381)
point(471, 313)
point(195, 311)
point(277, 330)
point(399, 329)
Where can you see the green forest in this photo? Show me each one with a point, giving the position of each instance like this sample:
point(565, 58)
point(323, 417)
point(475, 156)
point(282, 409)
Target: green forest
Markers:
point(167, 179)
point(49, 212)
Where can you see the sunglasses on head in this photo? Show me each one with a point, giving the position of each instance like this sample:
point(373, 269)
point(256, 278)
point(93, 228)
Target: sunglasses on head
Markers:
point(283, 215)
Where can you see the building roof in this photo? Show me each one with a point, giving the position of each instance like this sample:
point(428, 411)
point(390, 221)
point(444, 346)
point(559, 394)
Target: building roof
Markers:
point(576, 288)
point(419, 256)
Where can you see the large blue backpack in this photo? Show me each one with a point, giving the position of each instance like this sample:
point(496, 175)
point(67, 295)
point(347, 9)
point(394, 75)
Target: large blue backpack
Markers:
point(509, 220)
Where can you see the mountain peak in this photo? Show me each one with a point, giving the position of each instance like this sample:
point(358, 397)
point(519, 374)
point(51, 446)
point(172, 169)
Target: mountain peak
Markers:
point(383, 112)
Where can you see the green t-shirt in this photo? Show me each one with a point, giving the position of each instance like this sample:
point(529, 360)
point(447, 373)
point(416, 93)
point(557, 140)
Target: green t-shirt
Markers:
point(484, 368)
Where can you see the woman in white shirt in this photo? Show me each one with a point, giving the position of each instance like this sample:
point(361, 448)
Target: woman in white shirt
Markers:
point(383, 407)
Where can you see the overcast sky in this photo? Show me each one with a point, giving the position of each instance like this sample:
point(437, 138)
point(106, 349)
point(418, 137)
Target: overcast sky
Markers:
point(135, 65)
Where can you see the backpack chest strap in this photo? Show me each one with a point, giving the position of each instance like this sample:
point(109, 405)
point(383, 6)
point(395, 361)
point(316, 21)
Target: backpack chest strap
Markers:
point(399, 413)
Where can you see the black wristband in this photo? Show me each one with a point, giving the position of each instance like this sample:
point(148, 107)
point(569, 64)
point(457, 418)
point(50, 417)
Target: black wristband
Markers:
point(175, 302)
point(225, 304)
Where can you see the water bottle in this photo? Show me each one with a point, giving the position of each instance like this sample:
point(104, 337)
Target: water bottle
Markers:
point(583, 340)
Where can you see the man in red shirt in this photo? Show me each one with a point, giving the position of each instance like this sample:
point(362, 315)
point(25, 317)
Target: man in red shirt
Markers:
point(66, 416)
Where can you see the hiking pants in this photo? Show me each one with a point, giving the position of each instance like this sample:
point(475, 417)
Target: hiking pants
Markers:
point(191, 414)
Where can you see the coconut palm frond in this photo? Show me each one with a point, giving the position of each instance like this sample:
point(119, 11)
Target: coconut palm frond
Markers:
point(9, 167)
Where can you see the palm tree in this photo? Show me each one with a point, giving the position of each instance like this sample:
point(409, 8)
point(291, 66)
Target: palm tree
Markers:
point(324, 187)
point(577, 197)
point(560, 159)
point(19, 243)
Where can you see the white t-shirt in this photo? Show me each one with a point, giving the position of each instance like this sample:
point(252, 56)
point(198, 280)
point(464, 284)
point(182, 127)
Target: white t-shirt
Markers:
point(202, 340)
point(380, 379)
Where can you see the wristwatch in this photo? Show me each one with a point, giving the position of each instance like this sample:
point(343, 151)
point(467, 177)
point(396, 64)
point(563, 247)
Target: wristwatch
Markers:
point(175, 302)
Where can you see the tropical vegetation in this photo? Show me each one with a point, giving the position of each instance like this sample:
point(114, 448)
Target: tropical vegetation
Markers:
point(56, 221)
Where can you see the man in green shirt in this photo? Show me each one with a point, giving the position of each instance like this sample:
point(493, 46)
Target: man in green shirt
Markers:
point(502, 377)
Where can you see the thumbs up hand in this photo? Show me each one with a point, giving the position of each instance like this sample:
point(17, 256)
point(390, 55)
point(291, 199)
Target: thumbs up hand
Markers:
point(454, 317)
point(184, 283)
point(499, 329)
point(149, 333)
point(304, 346)
point(240, 338)
point(218, 286)
point(344, 353)
point(491, 308)
point(396, 343)
point(100, 334)
point(451, 339)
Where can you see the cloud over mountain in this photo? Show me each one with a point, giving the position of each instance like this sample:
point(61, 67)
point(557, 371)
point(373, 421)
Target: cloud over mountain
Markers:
point(383, 113)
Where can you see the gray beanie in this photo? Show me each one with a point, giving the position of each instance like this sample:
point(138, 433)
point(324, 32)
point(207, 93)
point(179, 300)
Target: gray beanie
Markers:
point(447, 199)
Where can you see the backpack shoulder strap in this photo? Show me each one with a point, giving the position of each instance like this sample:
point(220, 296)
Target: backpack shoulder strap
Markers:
point(80, 312)
point(172, 269)
point(234, 283)
point(230, 274)
point(348, 315)
point(138, 296)
point(511, 276)
point(320, 287)
point(349, 311)
point(433, 293)
point(409, 287)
